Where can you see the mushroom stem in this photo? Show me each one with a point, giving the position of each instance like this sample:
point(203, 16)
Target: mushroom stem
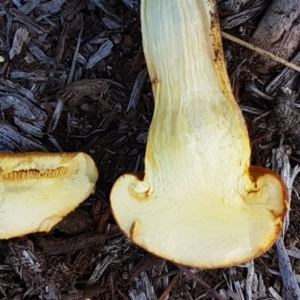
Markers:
point(195, 111)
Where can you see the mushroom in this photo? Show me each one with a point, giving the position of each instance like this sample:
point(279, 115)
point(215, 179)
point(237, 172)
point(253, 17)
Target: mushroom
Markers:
point(39, 189)
point(198, 202)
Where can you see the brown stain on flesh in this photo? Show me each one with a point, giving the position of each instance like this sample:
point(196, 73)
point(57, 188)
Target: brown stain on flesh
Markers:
point(215, 34)
point(34, 174)
point(134, 228)
point(154, 80)
point(219, 62)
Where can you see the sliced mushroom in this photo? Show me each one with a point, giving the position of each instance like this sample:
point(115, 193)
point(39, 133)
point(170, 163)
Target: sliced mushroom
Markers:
point(39, 189)
point(198, 203)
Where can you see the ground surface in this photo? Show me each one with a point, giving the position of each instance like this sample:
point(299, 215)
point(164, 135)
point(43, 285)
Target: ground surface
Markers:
point(107, 113)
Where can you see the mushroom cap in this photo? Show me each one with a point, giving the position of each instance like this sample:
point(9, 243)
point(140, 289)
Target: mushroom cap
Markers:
point(198, 202)
point(39, 189)
point(200, 227)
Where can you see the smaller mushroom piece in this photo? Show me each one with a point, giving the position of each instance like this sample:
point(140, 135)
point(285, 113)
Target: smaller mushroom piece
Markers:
point(39, 189)
point(199, 202)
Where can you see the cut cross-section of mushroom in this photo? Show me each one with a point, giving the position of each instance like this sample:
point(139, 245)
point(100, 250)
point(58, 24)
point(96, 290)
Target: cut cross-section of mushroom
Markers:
point(39, 189)
point(198, 203)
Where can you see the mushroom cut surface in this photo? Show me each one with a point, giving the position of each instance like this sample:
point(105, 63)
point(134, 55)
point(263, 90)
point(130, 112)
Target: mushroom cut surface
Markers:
point(39, 189)
point(198, 202)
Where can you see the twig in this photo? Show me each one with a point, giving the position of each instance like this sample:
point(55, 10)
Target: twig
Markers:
point(291, 287)
point(122, 295)
point(254, 90)
point(56, 115)
point(280, 163)
point(249, 279)
point(260, 51)
point(71, 74)
point(201, 283)
point(169, 288)
point(137, 89)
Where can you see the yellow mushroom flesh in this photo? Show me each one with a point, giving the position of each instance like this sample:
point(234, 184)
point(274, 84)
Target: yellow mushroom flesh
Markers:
point(198, 203)
point(39, 189)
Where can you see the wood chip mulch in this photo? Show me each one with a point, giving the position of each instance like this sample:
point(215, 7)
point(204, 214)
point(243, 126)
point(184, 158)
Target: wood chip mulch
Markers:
point(73, 78)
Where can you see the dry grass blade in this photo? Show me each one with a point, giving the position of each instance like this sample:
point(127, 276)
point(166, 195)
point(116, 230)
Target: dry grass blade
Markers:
point(260, 51)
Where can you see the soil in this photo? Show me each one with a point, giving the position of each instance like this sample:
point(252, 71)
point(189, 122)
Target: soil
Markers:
point(73, 78)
